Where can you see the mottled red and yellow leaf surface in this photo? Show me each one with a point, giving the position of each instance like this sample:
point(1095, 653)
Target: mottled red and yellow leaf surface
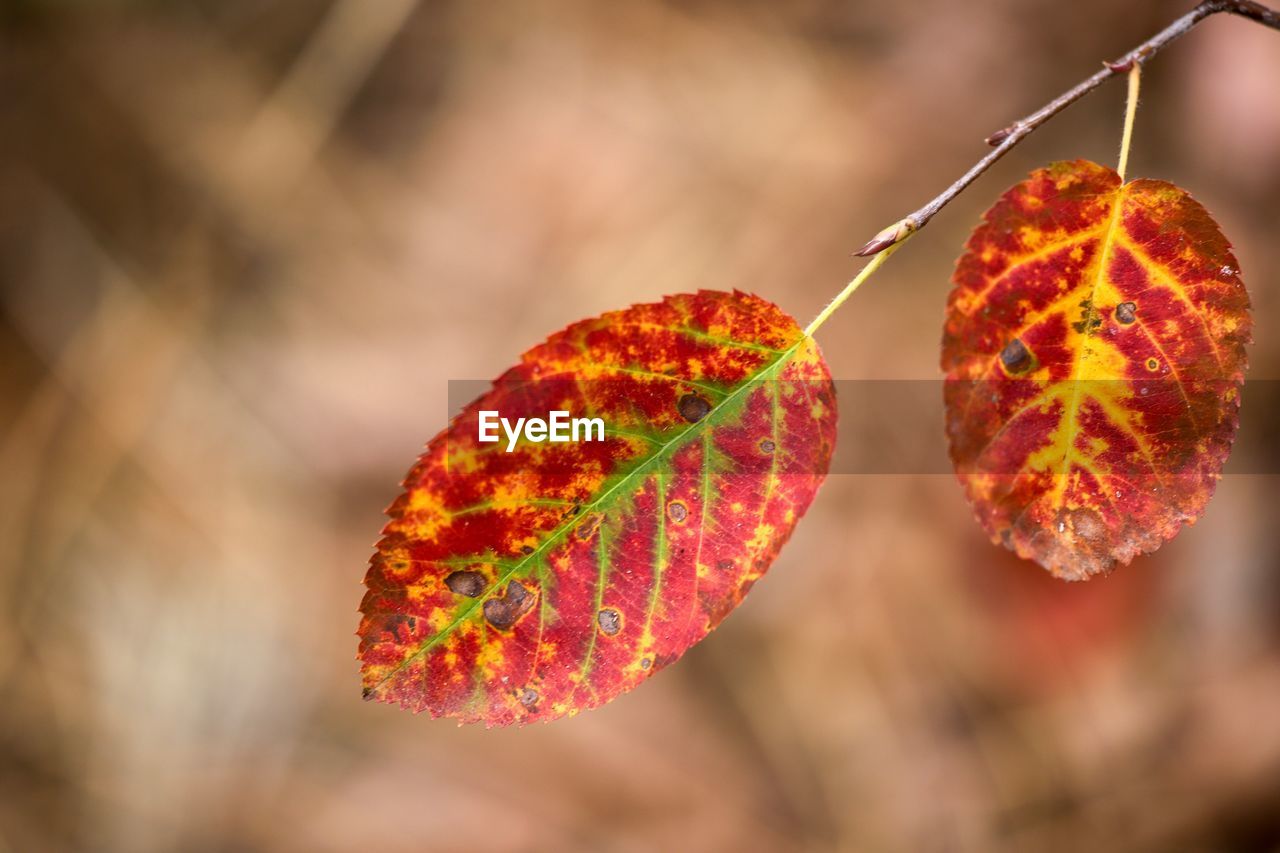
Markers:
point(527, 585)
point(1094, 350)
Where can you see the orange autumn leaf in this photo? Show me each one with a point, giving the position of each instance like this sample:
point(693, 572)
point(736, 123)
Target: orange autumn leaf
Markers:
point(533, 580)
point(1094, 349)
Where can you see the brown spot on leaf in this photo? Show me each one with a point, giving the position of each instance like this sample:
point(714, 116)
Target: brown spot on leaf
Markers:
point(526, 550)
point(610, 621)
point(1089, 321)
point(1126, 312)
point(724, 565)
point(589, 525)
point(767, 446)
point(503, 612)
point(528, 697)
point(467, 583)
point(1015, 356)
point(677, 511)
point(645, 663)
point(1088, 526)
point(366, 694)
point(693, 408)
point(1153, 365)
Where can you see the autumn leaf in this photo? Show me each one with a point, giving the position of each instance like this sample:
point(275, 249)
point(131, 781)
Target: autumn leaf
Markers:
point(1094, 349)
point(526, 585)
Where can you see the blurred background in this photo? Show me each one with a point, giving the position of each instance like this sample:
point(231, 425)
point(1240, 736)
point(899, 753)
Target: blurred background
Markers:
point(244, 246)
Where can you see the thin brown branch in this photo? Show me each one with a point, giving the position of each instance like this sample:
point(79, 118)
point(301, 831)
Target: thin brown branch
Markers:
point(1008, 137)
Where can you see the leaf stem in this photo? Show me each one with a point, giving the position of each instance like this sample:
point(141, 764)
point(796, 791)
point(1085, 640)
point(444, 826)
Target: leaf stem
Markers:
point(1006, 139)
point(863, 274)
point(1130, 111)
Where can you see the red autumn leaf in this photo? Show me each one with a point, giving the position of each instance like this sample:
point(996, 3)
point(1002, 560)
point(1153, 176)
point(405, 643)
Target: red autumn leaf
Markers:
point(527, 585)
point(1094, 350)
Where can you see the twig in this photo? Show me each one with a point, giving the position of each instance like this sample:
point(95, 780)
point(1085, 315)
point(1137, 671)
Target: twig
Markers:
point(1005, 139)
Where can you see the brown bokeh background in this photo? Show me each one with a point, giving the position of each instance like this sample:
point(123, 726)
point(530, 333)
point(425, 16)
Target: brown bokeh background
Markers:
point(244, 246)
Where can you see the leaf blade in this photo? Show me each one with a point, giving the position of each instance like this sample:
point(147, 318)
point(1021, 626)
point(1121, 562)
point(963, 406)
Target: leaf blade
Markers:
point(598, 536)
point(1094, 343)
